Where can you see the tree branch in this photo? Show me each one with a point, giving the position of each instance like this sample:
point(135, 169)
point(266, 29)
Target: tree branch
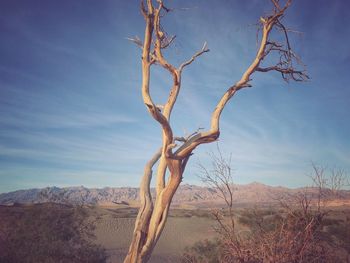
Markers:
point(203, 50)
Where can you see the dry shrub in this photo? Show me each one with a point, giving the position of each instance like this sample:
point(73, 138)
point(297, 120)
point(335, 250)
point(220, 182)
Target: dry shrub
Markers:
point(292, 232)
point(47, 233)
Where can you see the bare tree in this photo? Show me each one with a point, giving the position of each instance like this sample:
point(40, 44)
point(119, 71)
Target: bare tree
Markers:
point(220, 178)
point(292, 232)
point(329, 182)
point(173, 157)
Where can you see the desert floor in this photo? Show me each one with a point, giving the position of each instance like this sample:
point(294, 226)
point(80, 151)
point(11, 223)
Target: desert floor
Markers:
point(45, 226)
point(114, 228)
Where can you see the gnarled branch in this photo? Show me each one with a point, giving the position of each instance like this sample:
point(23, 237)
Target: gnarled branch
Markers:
point(174, 158)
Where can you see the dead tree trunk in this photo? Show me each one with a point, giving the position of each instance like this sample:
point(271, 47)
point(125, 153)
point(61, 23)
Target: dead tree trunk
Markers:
point(172, 157)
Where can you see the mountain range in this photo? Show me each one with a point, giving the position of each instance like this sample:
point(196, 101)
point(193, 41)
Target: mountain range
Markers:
point(186, 196)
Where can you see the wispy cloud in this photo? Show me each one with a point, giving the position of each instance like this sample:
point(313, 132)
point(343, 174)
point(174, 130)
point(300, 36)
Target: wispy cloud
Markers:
point(64, 120)
point(71, 109)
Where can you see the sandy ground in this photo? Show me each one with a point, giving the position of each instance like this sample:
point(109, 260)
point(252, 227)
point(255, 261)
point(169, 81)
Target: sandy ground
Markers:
point(114, 233)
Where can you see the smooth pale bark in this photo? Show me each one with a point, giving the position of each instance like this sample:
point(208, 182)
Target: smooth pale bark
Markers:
point(145, 211)
point(173, 158)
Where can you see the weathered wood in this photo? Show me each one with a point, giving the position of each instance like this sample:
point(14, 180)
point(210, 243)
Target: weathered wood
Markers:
point(172, 158)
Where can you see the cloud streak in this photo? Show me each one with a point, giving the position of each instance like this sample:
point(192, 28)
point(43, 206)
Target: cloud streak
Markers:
point(71, 110)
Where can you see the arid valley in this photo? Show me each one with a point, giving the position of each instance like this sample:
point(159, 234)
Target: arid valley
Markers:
point(110, 219)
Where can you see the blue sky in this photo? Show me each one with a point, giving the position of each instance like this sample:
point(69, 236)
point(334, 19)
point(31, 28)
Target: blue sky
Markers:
point(71, 111)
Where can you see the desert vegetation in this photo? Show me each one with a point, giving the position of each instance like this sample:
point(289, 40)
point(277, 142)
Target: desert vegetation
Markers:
point(272, 236)
point(55, 227)
point(303, 225)
point(298, 228)
point(48, 233)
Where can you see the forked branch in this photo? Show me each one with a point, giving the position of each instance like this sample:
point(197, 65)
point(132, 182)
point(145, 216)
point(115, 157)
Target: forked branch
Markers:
point(188, 62)
point(284, 66)
point(174, 158)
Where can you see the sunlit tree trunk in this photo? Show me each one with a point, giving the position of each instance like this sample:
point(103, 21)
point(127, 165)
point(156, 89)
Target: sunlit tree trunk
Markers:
point(175, 151)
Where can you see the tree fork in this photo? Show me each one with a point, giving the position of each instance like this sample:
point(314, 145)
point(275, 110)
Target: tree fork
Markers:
point(152, 215)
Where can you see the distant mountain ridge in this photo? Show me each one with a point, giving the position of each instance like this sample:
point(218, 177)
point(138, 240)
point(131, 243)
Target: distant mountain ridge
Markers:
point(187, 195)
